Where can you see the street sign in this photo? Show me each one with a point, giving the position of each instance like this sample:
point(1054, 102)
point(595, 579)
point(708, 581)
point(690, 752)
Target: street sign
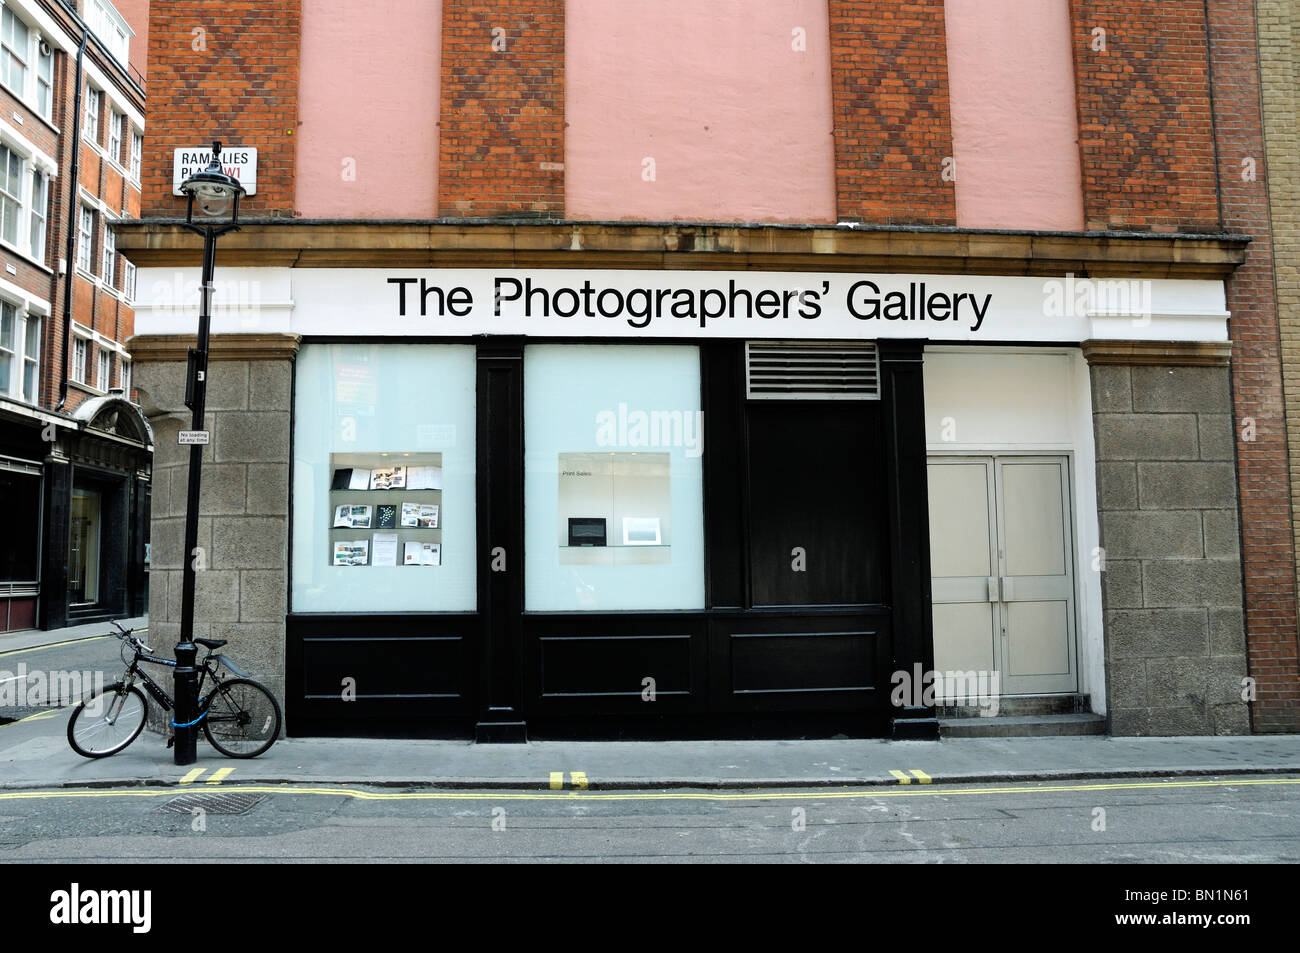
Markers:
point(236, 161)
point(195, 436)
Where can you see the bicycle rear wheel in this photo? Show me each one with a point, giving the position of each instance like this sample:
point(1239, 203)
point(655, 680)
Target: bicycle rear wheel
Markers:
point(107, 722)
point(243, 718)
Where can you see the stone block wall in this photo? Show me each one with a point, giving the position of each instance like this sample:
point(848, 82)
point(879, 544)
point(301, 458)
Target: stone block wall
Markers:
point(241, 593)
point(1171, 582)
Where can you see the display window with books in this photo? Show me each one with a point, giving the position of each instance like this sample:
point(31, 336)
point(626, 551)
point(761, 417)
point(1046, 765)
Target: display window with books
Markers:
point(384, 496)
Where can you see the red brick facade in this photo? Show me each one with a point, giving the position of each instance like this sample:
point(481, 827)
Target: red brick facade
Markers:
point(101, 308)
point(893, 130)
point(501, 143)
point(1262, 465)
point(1145, 135)
point(225, 71)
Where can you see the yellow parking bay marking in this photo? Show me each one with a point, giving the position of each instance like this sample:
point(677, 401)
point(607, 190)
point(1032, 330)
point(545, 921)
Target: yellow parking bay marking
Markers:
point(902, 778)
point(557, 780)
point(783, 795)
point(192, 776)
point(920, 776)
point(219, 775)
point(40, 715)
point(579, 779)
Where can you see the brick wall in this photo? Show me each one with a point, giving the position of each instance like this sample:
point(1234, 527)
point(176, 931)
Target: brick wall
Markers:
point(1262, 458)
point(1145, 137)
point(1171, 585)
point(225, 71)
point(501, 148)
point(889, 83)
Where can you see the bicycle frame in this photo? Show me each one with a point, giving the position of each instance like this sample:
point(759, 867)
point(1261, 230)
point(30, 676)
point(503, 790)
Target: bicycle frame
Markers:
point(159, 694)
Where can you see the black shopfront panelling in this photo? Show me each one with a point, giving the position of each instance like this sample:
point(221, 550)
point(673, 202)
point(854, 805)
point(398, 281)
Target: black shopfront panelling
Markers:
point(778, 644)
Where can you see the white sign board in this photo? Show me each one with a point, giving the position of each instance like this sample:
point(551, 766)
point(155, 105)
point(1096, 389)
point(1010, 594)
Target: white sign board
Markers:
point(236, 161)
point(684, 305)
point(194, 436)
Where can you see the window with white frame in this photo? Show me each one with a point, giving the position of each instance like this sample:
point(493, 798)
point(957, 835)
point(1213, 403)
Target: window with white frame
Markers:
point(31, 358)
point(124, 375)
point(8, 346)
point(109, 26)
point(128, 280)
point(15, 41)
point(104, 376)
point(11, 194)
point(110, 255)
point(20, 352)
point(44, 77)
point(137, 146)
point(114, 135)
point(90, 127)
point(85, 237)
point(39, 211)
point(78, 370)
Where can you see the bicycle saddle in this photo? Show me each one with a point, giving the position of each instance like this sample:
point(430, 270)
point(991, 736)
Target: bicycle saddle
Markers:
point(211, 643)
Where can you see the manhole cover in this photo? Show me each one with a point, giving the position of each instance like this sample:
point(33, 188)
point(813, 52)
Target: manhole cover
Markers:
point(214, 802)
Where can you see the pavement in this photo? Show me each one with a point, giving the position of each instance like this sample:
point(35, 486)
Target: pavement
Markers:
point(34, 753)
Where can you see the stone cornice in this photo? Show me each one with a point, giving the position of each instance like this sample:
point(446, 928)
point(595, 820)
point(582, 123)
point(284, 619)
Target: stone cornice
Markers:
point(305, 243)
point(1158, 352)
point(154, 348)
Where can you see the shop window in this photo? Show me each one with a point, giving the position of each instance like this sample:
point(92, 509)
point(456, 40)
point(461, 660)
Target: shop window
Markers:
point(21, 492)
point(613, 495)
point(384, 490)
point(83, 547)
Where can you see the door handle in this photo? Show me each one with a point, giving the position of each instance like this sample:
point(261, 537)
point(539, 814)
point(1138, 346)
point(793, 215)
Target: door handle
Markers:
point(993, 588)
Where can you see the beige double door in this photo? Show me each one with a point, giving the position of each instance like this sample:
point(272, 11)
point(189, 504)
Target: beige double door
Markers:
point(1002, 567)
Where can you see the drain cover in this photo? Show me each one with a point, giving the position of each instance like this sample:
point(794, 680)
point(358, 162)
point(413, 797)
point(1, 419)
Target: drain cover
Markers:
point(213, 802)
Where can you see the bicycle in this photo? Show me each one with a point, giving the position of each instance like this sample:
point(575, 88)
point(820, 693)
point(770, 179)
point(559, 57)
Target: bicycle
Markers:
point(240, 716)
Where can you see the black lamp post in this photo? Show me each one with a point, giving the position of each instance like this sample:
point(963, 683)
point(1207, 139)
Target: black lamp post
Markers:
point(217, 196)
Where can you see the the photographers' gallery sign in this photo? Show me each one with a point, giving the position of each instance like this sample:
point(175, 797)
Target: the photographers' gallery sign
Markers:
point(689, 304)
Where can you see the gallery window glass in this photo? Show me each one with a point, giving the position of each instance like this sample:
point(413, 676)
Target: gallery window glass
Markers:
point(384, 491)
point(613, 480)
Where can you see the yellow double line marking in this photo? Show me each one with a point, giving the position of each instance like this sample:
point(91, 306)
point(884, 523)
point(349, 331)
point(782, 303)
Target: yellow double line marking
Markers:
point(820, 795)
point(921, 776)
point(218, 775)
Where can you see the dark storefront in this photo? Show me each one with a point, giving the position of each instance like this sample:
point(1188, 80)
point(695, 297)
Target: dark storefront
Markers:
point(632, 573)
point(76, 491)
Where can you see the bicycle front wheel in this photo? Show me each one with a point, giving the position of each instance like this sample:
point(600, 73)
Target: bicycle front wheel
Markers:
point(243, 718)
point(107, 722)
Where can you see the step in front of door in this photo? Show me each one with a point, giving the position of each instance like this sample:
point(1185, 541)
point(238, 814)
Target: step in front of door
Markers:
point(1023, 726)
point(1008, 705)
